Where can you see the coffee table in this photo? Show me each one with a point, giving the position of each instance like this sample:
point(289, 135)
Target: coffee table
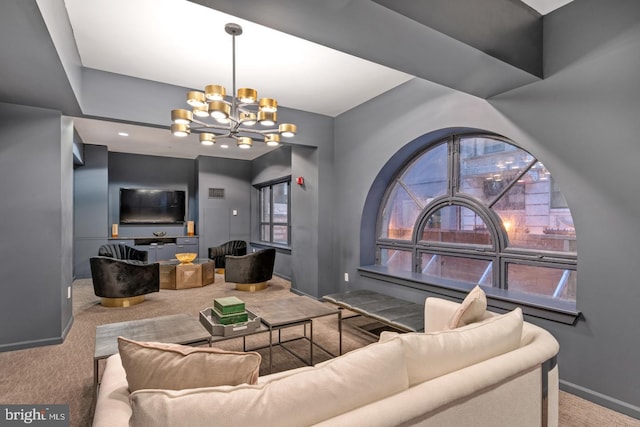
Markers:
point(289, 312)
point(175, 329)
point(176, 275)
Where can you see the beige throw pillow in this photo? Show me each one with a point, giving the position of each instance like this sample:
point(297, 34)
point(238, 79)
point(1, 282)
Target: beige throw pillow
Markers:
point(430, 355)
point(151, 365)
point(471, 309)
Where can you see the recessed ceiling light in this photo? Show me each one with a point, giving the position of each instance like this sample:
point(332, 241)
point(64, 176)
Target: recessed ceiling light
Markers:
point(123, 134)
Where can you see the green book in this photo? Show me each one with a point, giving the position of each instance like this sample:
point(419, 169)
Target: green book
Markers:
point(228, 305)
point(229, 319)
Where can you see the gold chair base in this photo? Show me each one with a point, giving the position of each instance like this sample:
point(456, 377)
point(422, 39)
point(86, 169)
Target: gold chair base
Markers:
point(251, 287)
point(122, 302)
point(219, 270)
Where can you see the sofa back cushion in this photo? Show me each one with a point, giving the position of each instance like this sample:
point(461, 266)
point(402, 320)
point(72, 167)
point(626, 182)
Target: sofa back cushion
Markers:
point(433, 354)
point(307, 397)
point(176, 367)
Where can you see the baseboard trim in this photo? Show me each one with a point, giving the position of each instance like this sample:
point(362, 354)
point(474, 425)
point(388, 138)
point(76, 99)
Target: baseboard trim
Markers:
point(21, 345)
point(30, 344)
point(601, 399)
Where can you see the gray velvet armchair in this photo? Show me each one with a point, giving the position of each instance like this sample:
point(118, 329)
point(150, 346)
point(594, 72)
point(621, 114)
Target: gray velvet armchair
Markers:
point(122, 283)
point(232, 247)
point(252, 271)
point(120, 251)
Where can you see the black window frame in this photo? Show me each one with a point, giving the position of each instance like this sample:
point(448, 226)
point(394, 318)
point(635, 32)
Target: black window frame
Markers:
point(500, 255)
point(271, 223)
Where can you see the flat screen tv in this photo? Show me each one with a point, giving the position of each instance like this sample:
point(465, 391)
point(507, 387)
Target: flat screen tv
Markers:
point(151, 206)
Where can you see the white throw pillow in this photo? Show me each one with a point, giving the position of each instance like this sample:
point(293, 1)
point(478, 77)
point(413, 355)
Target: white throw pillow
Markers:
point(430, 355)
point(176, 367)
point(307, 397)
point(470, 310)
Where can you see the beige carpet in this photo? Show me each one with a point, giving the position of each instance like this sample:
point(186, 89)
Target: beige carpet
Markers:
point(63, 374)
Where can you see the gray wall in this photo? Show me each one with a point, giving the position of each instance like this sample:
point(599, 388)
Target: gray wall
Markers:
point(36, 181)
point(582, 122)
point(90, 207)
point(584, 118)
point(216, 218)
point(271, 166)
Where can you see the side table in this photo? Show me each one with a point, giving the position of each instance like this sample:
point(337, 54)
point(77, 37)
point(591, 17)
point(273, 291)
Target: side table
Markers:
point(176, 275)
point(294, 311)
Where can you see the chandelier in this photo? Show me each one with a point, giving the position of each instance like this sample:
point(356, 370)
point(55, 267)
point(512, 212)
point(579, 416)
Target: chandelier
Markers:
point(216, 115)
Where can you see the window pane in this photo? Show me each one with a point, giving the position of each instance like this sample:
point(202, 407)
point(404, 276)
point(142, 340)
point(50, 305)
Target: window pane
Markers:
point(265, 233)
point(539, 280)
point(426, 177)
point(489, 166)
point(456, 224)
point(280, 202)
point(467, 270)
point(530, 221)
point(395, 259)
point(280, 234)
point(265, 204)
point(399, 215)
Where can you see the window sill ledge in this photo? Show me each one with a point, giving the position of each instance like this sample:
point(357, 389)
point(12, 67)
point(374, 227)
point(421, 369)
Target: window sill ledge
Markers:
point(264, 245)
point(498, 299)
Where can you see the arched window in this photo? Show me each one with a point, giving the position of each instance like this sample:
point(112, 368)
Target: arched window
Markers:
point(477, 209)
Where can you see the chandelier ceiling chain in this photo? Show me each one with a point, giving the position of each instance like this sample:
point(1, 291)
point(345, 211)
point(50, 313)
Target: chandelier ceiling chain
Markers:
point(234, 116)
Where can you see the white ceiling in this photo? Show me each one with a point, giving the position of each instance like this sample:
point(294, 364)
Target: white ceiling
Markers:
point(167, 41)
point(544, 7)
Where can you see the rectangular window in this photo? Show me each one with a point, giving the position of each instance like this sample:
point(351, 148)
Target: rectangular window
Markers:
point(275, 199)
point(534, 279)
point(466, 270)
point(396, 259)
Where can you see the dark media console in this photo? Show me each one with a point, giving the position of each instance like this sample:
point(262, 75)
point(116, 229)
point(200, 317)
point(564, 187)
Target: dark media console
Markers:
point(161, 248)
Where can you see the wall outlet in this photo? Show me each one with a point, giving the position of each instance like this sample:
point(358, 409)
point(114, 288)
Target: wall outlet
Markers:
point(68, 292)
point(234, 212)
point(346, 277)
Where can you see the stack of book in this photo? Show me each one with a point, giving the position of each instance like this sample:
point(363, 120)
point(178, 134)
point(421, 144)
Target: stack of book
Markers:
point(229, 310)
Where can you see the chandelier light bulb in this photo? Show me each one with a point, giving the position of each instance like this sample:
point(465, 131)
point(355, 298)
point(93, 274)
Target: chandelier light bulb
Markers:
point(207, 138)
point(267, 118)
point(219, 109)
point(201, 111)
point(268, 105)
point(247, 95)
point(272, 139)
point(180, 130)
point(247, 119)
point(181, 117)
point(245, 142)
point(215, 92)
point(287, 130)
point(196, 99)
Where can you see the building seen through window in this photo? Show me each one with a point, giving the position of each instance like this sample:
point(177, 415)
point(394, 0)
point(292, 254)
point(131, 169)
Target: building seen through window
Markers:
point(274, 212)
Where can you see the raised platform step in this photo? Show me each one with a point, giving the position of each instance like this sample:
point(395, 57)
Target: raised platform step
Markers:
point(397, 313)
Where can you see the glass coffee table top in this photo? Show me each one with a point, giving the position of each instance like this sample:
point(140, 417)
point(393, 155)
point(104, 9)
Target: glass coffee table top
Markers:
point(176, 262)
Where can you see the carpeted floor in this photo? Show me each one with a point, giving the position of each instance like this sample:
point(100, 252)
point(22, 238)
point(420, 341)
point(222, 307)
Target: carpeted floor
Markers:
point(63, 374)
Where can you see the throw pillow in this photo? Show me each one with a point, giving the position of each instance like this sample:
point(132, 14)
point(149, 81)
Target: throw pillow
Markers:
point(471, 309)
point(176, 367)
point(430, 355)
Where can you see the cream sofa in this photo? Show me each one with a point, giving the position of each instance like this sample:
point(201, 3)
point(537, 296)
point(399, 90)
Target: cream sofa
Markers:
point(499, 371)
